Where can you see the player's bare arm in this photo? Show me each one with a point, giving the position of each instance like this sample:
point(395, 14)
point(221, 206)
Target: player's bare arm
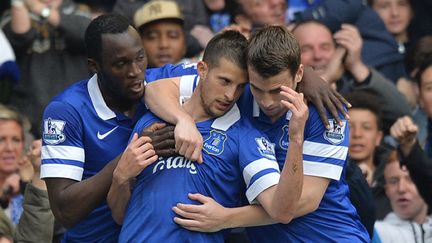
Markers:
point(163, 94)
point(280, 201)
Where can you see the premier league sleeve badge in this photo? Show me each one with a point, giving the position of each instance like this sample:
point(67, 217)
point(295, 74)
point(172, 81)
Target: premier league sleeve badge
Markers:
point(336, 133)
point(53, 131)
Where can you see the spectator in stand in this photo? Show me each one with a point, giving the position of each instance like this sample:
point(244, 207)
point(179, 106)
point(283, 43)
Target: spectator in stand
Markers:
point(418, 162)
point(48, 40)
point(37, 221)
point(408, 222)
point(161, 32)
point(365, 140)
point(379, 48)
point(396, 15)
point(344, 67)
point(194, 14)
point(414, 57)
point(13, 126)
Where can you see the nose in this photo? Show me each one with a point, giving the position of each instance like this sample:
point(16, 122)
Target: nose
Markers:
point(134, 69)
point(266, 101)
point(163, 42)
point(355, 131)
point(402, 185)
point(230, 94)
point(394, 10)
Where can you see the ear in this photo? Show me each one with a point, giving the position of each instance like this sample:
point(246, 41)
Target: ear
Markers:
point(299, 74)
point(202, 68)
point(92, 65)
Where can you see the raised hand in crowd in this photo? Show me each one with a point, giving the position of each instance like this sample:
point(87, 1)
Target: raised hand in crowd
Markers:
point(404, 130)
point(349, 38)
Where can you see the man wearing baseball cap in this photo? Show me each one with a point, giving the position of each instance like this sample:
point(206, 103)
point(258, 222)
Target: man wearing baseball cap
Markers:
point(160, 24)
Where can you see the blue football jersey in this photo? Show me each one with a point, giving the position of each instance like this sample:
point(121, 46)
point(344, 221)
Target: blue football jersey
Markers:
point(238, 160)
point(324, 155)
point(81, 134)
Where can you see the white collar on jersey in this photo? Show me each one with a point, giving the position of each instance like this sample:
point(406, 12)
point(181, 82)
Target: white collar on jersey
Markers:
point(103, 111)
point(222, 123)
point(226, 121)
point(256, 110)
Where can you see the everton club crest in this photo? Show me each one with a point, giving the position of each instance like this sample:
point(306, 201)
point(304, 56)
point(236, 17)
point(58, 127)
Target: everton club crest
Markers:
point(215, 142)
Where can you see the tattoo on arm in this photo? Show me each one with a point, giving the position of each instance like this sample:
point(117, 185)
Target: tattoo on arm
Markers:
point(295, 168)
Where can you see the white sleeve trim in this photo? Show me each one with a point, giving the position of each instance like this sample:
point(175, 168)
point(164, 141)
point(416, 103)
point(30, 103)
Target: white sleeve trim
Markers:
point(325, 150)
point(61, 171)
point(63, 152)
point(256, 166)
point(325, 170)
point(186, 87)
point(260, 185)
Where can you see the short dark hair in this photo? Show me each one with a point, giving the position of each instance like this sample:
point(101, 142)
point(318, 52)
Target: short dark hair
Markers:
point(104, 24)
point(229, 44)
point(366, 100)
point(423, 65)
point(273, 49)
point(418, 53)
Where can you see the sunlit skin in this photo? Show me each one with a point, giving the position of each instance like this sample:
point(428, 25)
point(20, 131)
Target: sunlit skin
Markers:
point(11, 146)
point(220, 87)
point(267, 90)
point(396, 15)
point(164, 42)
point(404, 197)
point(122, 69)
point(264, 12)
point(364, 135)
point(426, 91)
point(316, 44)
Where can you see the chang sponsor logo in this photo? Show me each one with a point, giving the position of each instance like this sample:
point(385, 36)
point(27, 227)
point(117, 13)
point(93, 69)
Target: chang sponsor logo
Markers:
point(178, 162)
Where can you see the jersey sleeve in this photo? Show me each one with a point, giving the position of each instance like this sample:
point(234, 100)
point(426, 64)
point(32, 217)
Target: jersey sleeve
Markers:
point(324, 150)
point(188, 83)
point(62, 152)
point(257, 162)
point(169, 71)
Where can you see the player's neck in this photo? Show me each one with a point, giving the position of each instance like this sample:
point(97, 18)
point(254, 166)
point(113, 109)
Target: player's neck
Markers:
point(195, 109)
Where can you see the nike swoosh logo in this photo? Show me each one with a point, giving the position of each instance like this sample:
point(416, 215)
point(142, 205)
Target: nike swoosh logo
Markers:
point(102, 136)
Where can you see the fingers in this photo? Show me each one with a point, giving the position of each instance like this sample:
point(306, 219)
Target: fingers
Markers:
point(322, 112)
point(199, 197)
point(154, 126)
point(185, 214)
point(160, 134)
point(166, 152)
point(190, 150)
point(192, 225)
point(164, 144)
point(189, 208)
